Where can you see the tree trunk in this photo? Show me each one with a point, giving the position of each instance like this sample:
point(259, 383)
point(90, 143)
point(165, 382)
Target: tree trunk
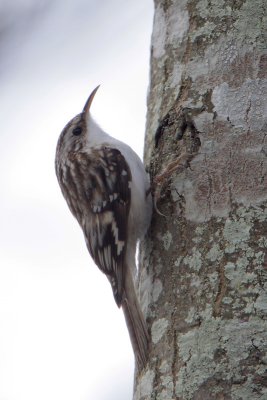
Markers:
point(203, 275)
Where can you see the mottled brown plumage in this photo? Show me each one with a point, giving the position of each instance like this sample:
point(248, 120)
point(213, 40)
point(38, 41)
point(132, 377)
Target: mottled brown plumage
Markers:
point(105, 186)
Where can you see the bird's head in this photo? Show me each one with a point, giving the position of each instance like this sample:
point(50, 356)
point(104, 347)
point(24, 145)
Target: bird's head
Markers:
point(73, 136)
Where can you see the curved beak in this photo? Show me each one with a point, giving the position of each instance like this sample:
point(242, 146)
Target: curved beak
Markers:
point(87, 106)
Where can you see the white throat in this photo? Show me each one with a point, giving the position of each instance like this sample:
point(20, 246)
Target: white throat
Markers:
point(95, 134)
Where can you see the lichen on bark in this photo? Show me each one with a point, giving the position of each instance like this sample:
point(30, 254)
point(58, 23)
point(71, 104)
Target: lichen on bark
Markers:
point(204, 263)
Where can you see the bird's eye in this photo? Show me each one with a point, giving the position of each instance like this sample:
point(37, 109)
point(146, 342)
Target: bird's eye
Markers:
point(77, 131)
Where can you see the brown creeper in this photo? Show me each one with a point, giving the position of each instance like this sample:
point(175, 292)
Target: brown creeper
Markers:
point(107, 190)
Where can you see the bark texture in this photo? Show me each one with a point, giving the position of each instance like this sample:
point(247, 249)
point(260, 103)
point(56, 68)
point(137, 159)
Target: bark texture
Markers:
point(204, 265)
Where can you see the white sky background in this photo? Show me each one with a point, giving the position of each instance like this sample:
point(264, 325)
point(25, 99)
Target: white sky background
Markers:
point(61, 334)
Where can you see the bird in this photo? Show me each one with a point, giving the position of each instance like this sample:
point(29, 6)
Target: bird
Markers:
point(107, 189)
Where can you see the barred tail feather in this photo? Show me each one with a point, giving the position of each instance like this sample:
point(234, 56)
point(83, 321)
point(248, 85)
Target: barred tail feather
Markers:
point(135, 322)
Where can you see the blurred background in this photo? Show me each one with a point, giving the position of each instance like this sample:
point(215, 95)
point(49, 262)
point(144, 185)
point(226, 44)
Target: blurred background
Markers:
point(61, 334)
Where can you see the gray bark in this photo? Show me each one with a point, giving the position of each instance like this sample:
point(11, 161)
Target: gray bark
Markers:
point(203, 276)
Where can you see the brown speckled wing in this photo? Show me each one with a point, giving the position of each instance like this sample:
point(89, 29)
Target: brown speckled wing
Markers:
point(96, 185)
